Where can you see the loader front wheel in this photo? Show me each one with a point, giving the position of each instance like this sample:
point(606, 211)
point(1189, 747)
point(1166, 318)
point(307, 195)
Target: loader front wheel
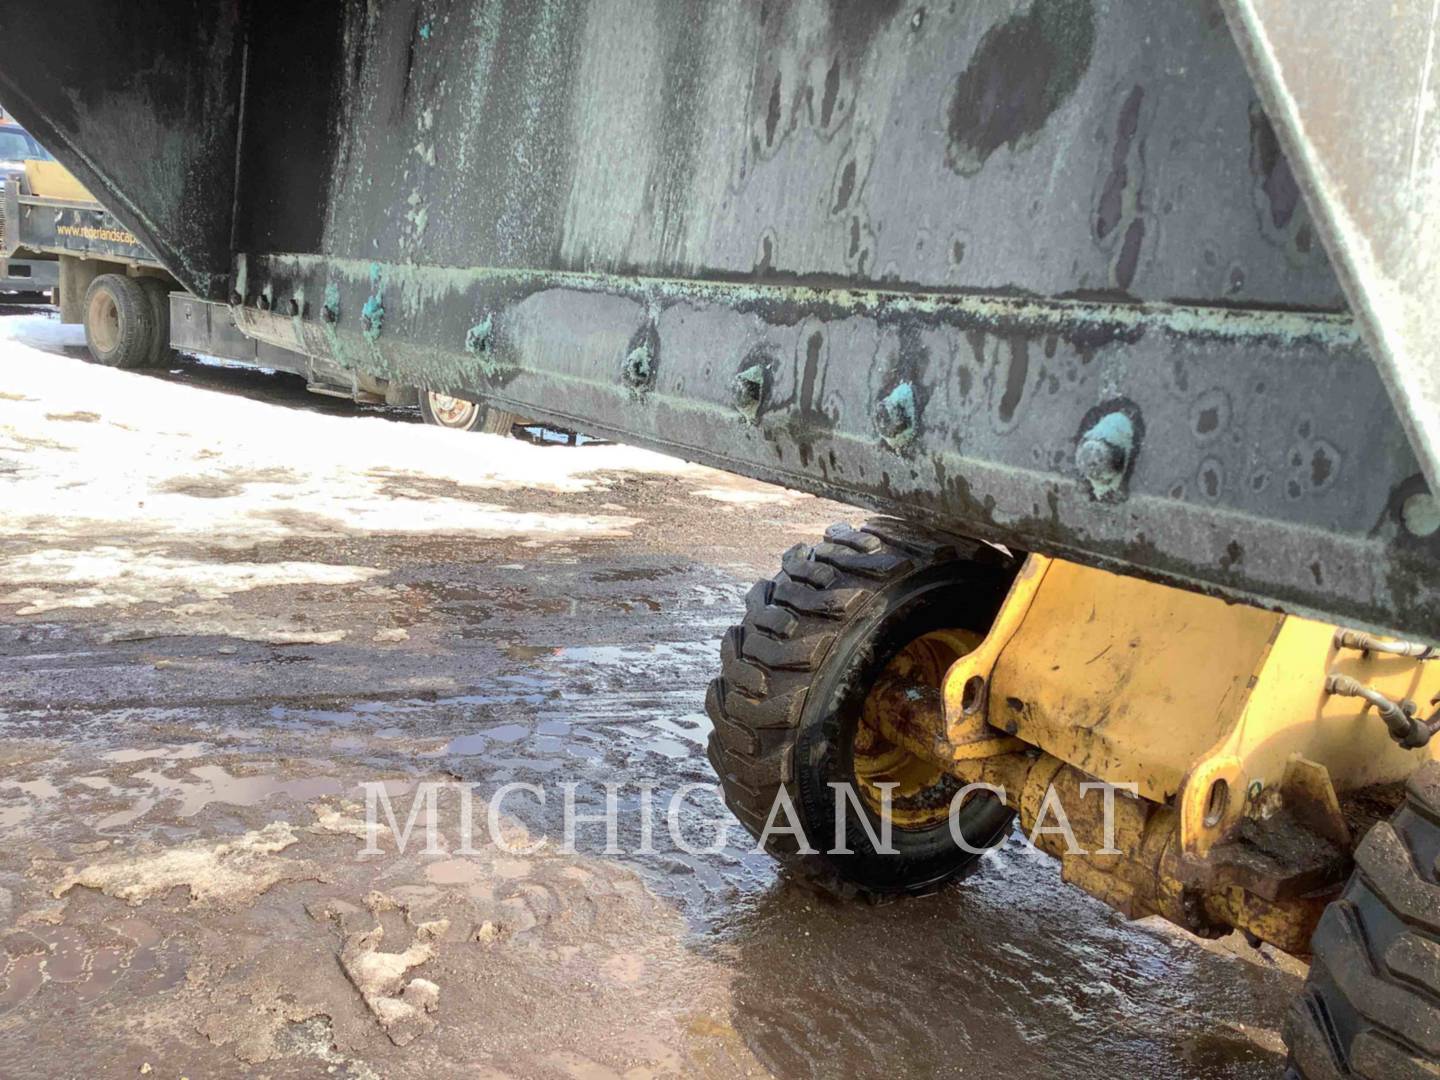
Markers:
point(1371, 1005)
point(792, 709)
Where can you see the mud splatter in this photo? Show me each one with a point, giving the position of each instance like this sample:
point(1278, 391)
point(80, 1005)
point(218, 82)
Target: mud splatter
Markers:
point(1112, 198)
point(1023, 70)
point(1272, 170)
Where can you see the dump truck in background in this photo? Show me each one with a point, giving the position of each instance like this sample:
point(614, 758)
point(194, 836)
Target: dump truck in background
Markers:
point(56, 238)
point(1124, 315)
point(23, 273)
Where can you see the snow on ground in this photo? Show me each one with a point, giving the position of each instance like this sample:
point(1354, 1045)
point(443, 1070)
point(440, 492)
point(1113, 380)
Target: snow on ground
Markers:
point(149, 465)
point(235, 471)
point(42, 330)
point(106, 575)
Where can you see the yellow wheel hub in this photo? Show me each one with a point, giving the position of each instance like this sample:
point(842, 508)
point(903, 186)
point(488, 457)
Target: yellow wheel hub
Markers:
point(922, 792)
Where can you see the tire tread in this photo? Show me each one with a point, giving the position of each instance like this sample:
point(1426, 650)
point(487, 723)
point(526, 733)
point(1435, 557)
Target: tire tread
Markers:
point(791, 623)
point(1371, 1006)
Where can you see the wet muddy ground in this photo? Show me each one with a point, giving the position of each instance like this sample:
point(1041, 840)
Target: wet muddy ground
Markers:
point(220, 617)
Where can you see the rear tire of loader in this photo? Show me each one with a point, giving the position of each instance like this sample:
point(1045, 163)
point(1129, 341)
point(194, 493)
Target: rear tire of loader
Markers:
point(119, 321)
point(1371, 1006)
point(787, 709)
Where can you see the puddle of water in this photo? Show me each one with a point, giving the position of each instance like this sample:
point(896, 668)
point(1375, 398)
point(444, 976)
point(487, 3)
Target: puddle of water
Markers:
point(670, 748)
point(312, 717)
point(1012, 973)
point(32, 792)
point(635, 573)
point(215, 785)
point(170, 753)
point(516, 651)
point(545, 436)
point(520, 690)
point(1088, 996)
point(648, 654)
point(464, 745)
point(24, 976)
point(210, 784)
point(39, 790)
point(120, 818)
point(82, 964)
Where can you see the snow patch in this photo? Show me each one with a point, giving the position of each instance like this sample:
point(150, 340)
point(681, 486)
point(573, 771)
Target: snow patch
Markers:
point(108, 576)
point(233, 872)
point(755, 496)
point(402, 1006)
point(161, 456)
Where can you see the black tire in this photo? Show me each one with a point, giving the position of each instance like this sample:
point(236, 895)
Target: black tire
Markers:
point(119, 321)
point(1371, 1005)
point(794, 674)
point(157, 291)
point(475, 416)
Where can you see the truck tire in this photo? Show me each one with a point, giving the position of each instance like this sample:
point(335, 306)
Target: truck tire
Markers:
point(157, 291)
point(788, 707)
point(457, 414)
point(1371, 1005)
point(119, 321)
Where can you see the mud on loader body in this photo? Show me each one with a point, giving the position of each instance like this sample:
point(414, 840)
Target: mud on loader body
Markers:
point(1150, 288)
